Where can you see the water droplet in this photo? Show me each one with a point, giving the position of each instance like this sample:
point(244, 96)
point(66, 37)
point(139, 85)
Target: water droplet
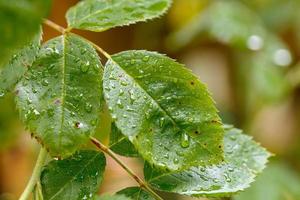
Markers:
point(161, 121)
point(114, 117)
point(124, 83)
point(2, 93)
point(282, 57)
point(255, 42)
point(230, 169)
point(45, 82)
point(85, 67)
point(176, 161)
point(185, 140)
point(119, 103)
point(78, 125)
point(132, 61)
point(121, 92)
point(146, 58)
point(88, 107)
point(215, 180)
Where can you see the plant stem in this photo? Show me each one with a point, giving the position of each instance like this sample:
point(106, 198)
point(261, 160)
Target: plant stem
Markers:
point(35, 174)
point(55, 26)
point(142, 184)
point(62, 30)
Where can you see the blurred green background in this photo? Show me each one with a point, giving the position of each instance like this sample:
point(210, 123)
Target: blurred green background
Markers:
point(246, 51)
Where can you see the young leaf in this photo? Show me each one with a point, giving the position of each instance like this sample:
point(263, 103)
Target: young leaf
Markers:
point(100, 15)
point(136, 193)
point(76, 177)
point(120, 144)
point(112, 197)
point(18, 64)
point(244, 159)
point(60, 97)
point(163, 109)
point(19, 20)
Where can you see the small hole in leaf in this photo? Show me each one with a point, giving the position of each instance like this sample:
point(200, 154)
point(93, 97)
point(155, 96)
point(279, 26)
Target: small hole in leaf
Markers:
point(192, 83)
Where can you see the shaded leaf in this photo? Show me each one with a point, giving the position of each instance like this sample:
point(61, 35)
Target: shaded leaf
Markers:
point(76, 177)
point(136, 193)
point(20, 21)
point(244, 159)
point(100, 15)
point(60, 97)
point(163, 109)
point(120, 143)
point(18, 64)
point(277, 182)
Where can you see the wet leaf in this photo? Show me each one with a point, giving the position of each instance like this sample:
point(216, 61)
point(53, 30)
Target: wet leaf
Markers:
point(13, 71)
point(136, 193)
point(120, 144)
point(163, 109)
point(244, 159)
point(20, 21)
point(76, 177)
point(60, 97)
point(100, 15)
point(277, 182)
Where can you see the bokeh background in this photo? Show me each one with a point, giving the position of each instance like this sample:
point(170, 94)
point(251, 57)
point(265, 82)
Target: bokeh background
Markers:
point(247, 53)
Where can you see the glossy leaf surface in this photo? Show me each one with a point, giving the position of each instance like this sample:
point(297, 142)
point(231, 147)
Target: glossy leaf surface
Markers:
point(244, 159)
point(76, 177)
point(60, 97)
point(13, 71)
point(163, 109)
point(100, 15)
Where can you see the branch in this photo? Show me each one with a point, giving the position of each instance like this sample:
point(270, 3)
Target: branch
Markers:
point(35, 174)
point(142, 184)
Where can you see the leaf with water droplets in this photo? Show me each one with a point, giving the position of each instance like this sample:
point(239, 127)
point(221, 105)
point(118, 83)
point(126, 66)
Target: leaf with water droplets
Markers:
point(100, 15)
point(12, 71)
point(20, 21)
point(58, 101)
point(170, 117)
point(136, 193)
point(76, 177)
point(244, 159)
point(120, 144)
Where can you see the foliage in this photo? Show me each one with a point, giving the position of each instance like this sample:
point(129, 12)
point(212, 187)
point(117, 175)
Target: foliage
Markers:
point(161, 112)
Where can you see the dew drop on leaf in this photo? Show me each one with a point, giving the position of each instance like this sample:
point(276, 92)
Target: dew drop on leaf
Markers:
point(185, 140)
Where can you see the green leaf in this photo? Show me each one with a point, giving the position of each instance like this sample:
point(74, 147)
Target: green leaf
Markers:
point(113, 197)
point(76, 177)
point(100, 15)
point(17, 66)
point(163, 109)
point(20, 21)
point(244, 159)
point(120, 144)
point(277, 182)
point(60, 97)
point(136, 193)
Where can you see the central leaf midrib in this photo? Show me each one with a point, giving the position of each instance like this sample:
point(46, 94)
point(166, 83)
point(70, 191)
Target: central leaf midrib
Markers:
point(164, 111)
point(63, 90)
point(73, 178)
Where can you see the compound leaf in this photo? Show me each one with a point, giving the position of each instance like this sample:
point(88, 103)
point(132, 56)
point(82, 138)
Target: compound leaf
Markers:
point(163, 109)
point(136, 193)
point(120, 144)
point(244, 159)
point(76, 177)
point(18, 64)
point(60, 97)
point(20, 21)
point(100, 15)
